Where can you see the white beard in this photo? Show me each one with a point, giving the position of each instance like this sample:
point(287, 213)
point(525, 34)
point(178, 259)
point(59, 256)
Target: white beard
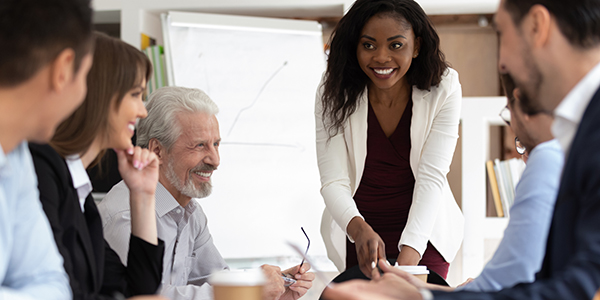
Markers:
point(188, 188)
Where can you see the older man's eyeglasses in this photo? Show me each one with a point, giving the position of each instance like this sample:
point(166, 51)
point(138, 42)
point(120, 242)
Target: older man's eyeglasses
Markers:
point(289, 278)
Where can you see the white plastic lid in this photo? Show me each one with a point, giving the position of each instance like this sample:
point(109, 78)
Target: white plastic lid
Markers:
point(415, 270)
point(245, 277)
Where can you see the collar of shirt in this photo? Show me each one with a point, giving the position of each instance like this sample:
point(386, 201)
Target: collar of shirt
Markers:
point(569, 112)
point(165, 202)
point(81, 180)
point(2, 161)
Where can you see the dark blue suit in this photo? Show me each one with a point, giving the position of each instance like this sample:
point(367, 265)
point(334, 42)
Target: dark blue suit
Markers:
point(571, 267)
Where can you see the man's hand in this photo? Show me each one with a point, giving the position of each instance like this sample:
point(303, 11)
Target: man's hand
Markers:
point(418, 283)
point(274, 286)
point(387, 287)
point(466, 282)
point(303, 282)
point(369, 245)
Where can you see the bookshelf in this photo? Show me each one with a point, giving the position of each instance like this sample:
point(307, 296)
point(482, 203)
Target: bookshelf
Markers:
point(478, 114)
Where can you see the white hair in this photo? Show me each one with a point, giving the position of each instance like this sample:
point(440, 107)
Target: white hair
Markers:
point(163, 107)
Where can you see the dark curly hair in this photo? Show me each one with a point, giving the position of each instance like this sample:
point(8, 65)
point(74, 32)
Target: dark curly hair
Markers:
point(345, 81)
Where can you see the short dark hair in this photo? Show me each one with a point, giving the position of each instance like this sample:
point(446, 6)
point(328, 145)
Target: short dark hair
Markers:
point(578, 20)
point(345, 81)
point(118, 67)
point(34, 32)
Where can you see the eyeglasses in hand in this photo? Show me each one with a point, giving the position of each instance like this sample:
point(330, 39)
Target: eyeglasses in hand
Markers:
point(289, 278)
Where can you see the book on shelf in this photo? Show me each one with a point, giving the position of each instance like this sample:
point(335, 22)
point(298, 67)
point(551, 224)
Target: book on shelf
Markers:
point(158, 78)
point(504, 176)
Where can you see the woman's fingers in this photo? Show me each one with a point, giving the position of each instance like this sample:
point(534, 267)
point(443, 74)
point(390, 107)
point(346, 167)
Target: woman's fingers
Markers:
point(369, 254)
point(138, 157)
point(381, 252)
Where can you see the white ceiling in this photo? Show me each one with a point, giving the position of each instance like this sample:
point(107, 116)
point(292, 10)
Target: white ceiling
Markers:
point(448, 7)
point(307, 8)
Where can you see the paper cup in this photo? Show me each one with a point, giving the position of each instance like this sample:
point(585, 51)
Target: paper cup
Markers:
point(238, 284)
point(420, 272)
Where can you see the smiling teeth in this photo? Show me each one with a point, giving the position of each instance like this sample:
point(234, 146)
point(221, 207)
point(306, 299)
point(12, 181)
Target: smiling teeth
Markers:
point(131, 127)
point(204, 174)
point(383, 71)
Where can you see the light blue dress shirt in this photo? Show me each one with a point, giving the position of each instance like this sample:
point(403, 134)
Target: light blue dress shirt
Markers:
point(30, 265)
point(521, 251)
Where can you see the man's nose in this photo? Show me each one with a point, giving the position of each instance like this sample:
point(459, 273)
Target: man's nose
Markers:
point(213, 157)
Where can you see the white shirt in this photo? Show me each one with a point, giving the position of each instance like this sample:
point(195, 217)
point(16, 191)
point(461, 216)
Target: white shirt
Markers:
point(569, 112)
point(81, 180)
point(190, 254)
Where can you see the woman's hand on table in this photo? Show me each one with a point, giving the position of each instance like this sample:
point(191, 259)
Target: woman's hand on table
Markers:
point(369, 246)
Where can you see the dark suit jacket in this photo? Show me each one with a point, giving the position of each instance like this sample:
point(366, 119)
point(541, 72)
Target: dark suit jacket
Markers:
point(571, 267)
point(94, 269)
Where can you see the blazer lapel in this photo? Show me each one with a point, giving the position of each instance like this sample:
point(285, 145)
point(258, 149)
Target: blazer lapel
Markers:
point(94, 246)
point(356, 140)
point(419, 124)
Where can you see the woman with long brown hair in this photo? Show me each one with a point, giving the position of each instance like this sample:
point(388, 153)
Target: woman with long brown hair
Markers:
point(106, 120)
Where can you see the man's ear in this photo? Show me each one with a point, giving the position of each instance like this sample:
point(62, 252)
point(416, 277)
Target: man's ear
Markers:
point(537, 25)
point(62, 70)
point(155, 146)
point(517, 93)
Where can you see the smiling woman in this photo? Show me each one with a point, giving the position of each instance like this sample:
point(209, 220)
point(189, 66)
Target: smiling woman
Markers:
point(106, 119)
point(387, 122)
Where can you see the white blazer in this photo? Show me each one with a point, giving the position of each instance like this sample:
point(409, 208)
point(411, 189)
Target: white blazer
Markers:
point(434, 215)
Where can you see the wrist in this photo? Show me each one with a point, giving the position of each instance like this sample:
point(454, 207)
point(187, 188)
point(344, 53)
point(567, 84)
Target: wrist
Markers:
point(409, 254)
point(356, 227)
point(141, 196)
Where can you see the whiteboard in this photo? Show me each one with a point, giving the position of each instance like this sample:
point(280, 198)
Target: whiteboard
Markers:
point(263, 74)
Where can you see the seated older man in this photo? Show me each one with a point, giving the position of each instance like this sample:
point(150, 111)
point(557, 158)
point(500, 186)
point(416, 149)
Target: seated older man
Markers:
point(182, 129)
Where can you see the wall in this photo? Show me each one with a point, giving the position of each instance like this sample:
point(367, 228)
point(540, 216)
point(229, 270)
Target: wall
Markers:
point(132, 16)
point(472, 50)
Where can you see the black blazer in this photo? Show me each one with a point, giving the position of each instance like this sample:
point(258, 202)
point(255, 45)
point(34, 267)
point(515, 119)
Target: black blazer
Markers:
point(571, 267)
point(95, 270)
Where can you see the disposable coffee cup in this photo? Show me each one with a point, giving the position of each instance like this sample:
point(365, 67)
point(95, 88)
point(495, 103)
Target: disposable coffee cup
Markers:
point(238, 284)
point(420, 272)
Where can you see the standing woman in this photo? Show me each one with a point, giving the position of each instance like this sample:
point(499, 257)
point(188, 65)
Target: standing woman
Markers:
point(387, 116)
point(106, 120)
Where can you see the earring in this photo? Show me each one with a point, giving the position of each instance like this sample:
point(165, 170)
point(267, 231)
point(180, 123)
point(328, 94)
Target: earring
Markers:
point(415, 55)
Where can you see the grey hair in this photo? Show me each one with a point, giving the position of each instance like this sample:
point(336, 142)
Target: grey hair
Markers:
point(163, 107)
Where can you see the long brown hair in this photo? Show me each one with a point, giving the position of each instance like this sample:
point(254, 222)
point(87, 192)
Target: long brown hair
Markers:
point(117, 68)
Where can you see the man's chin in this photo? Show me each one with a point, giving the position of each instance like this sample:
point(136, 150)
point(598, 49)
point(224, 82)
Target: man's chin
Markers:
point(42, 137)
point(202, 190)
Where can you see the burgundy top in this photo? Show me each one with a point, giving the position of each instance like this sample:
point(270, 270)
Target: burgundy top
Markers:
point(386, 188)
